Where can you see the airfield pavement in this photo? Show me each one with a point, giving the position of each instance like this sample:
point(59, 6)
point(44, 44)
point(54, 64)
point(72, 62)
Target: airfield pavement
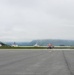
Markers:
point(36, 62)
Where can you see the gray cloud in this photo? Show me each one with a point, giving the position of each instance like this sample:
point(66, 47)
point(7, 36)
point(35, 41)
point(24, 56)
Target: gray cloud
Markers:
point(24, 20)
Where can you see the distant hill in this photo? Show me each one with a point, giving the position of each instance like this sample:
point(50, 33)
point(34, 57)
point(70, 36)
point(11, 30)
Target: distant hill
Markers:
point(45, 42)
point(3, 44)
point(54, 42)
point(19, 43)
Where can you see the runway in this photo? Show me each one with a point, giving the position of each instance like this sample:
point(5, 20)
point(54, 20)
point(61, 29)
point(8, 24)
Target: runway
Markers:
point(36, 62)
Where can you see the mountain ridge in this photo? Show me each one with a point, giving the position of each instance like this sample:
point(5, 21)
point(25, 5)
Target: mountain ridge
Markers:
point(45, 42)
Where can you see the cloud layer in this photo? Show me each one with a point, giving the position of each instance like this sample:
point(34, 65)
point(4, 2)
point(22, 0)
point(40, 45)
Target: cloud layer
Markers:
point(25, 20)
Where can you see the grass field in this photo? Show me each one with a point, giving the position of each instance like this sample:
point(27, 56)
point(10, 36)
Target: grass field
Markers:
point(40, 47)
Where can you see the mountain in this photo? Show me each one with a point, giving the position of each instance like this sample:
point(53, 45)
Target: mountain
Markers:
point(54, 42)
point(19, 43)
point(3, 44)
point(45, 42)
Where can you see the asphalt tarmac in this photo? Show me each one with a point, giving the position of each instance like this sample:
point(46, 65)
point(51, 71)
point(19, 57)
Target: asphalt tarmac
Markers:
point(36, 62)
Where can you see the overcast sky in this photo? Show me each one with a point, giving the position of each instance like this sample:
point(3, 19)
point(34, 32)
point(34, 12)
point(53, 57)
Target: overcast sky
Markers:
point(25, 20)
